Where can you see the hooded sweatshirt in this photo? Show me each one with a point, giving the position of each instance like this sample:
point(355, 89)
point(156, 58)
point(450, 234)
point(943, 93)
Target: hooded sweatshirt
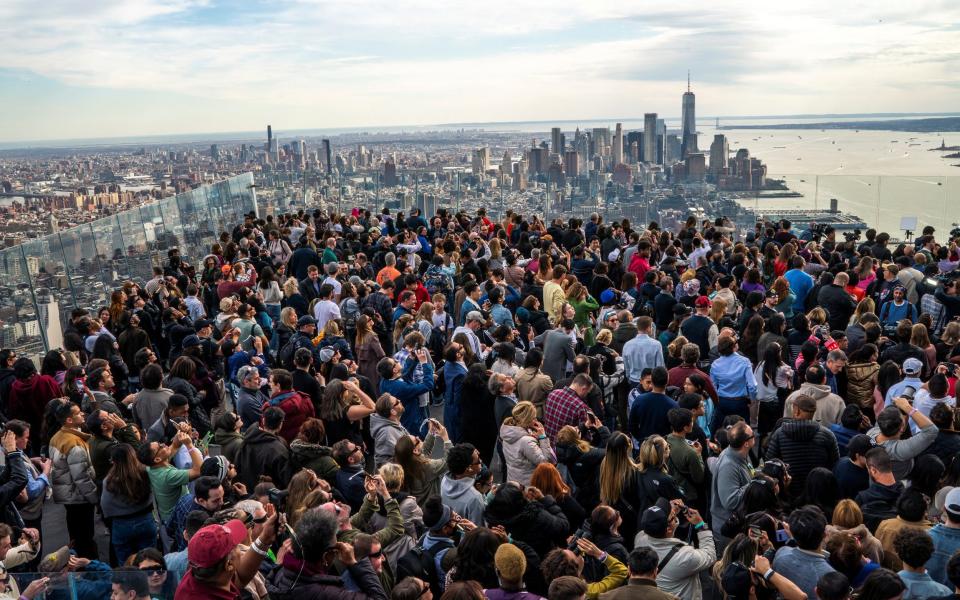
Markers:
point(461, 496)
point(829, 405)
point(386, 434)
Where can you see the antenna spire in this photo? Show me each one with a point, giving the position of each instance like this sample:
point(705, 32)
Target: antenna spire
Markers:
point(688, 80)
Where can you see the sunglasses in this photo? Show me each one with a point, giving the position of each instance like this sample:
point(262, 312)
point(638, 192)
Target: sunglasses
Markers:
point(153, 571)
point(377, 554)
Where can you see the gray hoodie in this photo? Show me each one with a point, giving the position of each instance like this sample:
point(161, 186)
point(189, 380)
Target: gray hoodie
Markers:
point(461, 496)
point(385, 434)
point(902, 452)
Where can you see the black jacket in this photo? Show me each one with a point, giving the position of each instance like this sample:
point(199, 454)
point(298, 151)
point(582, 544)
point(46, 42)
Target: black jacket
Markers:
point(803, 444)
point(878, 502)
point(838, 304)
point(540, 524)
point(13, 479)
point(263, 453)
point(285, 583)
point(584, 468)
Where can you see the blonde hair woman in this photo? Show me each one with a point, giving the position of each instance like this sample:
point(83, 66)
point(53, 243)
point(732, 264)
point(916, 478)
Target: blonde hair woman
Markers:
point(867, 305)
point(718, 310)
point(817, 317)
point(848, 518)
point(525, 443)
point(392, 475)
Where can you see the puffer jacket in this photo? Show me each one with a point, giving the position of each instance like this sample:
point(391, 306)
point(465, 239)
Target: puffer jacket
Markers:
point(72, 476)
point(803, 444)
point(386, 434)
point(861, 380)
point(523, 452)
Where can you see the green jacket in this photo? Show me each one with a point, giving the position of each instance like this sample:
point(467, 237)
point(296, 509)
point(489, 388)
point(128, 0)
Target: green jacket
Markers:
point(686, 466)
point(359, 521)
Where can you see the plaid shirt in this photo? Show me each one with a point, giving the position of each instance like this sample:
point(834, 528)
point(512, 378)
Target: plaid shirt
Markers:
point(563, 407)
point(930, 305)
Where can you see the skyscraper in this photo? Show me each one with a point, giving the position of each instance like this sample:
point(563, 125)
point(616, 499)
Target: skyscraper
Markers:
point(618, 145)
point(269, 138)
point(326, 154)
point(688, 135)
point(557, 143)
point(719, 151)
point(650, 137)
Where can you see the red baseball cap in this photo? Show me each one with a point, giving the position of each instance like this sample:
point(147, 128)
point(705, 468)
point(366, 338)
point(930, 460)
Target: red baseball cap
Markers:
point(703, 302)
point(213, 543)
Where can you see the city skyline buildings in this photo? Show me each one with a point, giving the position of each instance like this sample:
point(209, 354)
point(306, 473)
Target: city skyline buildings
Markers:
point(125, 67)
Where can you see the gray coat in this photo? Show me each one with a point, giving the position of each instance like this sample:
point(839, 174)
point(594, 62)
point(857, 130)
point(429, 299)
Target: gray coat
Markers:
point(558, 349)
point(72, 477)
point(149, 405)
point(523, 452)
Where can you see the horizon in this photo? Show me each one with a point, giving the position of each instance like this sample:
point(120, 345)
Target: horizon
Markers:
point(120, 68)
point(150, 139)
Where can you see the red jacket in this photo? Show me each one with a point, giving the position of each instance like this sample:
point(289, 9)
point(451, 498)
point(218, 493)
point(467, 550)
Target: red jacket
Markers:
point(297, 407)
point(28, 398)
point(639, 265)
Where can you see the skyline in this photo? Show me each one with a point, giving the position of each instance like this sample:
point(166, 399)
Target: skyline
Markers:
point(154, 67)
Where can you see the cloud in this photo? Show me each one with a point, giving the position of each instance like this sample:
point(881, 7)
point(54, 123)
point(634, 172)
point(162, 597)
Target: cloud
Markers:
point(335, 62)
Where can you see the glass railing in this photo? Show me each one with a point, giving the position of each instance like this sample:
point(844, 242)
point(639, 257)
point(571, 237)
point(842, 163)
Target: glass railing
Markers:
point(43, 279)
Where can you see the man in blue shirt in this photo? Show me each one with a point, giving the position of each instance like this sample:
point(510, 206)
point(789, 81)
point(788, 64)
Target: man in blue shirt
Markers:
point(800, 283)
point(914, 547)
point(642, 352)
point(648, 411)
point(806, 562)
point(946, 538)
point(732, 376)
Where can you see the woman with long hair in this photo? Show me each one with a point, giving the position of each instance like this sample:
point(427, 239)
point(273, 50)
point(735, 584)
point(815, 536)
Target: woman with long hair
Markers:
point(846, 556)
point(127, 503)
point(888, 375)
point(867, 305)
point(269, 289)
point(865, 272)
point(619, 482)
point(369, 351)
point(403, 326)
point(774, 383)
point(786, 297)
point(654, 479)
point(920, 337)
point(300, 486)
point(584, 306)
point(119, 314)
point(948, 346)
point(55, 365)
point(862, 378)
point(751, 338)
point(548, 480)
point(695, 383)
point(583, 459)
point(821, 489)
point(285, 327)
point(344, 406)
point(798, 334)
point(475, 558)
point(422, 475)
point(159, 579)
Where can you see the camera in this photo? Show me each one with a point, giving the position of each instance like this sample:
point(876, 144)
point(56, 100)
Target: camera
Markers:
point(852, 236)
point(583, 531)
point(908, 392)
point(278, 498)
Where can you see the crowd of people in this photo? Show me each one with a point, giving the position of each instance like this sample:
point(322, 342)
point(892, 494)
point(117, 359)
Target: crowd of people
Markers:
point(385, 406)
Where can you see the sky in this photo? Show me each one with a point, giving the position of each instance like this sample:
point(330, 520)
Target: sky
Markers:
point(105, 68)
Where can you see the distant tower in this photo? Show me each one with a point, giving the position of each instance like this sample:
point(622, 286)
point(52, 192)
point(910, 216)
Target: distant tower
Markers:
point(689, 122)
point(326, 154)
point(555, 139)
point(650, 137)
point(618, 145)
point(269, 138)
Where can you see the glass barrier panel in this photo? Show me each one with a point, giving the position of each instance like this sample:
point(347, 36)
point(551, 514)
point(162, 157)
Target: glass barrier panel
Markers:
point(154, 230)
point(135, 247)
point(172, 227)
point(110, 251)
point(83, 264)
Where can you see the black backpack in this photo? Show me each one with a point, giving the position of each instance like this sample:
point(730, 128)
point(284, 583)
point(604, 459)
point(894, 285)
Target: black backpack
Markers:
point(420, 562)
point(285, 355)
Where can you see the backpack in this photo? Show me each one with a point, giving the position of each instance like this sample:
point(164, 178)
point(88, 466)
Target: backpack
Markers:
point(436, 282)
point(436, 343)
point(420, 562)
point(285, 355)
point(349, 315)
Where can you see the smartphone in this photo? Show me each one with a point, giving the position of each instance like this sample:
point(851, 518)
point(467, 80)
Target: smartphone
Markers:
point(782, 536)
